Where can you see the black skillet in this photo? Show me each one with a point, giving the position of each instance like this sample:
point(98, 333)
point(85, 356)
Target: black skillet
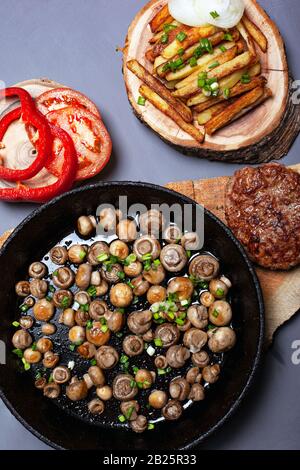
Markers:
point(49, 224)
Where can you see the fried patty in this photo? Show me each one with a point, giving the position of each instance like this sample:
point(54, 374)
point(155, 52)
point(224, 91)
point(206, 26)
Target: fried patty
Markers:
point(262, 208)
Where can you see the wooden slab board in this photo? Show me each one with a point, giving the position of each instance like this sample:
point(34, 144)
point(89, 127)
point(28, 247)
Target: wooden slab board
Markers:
point(281, 289)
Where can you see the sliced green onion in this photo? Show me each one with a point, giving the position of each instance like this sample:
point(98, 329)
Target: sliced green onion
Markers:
point(82, 254)
point(179, 321)
point(184, 302)
point(16, 324)
point(135, 369)
point(52, 289)
point(121, 275)
point(151, 426)
point(102, 257)
point(180, 52)
point(181, 36)
point(132, 383)
point(18, 352)
point(226, 93)
point(119, 334)
point(24, 307)
point(65, 302)
point(93, 362)
point(72, 347)
point(156, 262)
point(104, 328)
point(169, 27)
point(129, 412)
point(147, 257)
point(92, 291)
point(124, 358)
point(215, 313)
point(165, 38)
point(33, 347)
point(245, 78)
point(220, 292)
point(89, 324)
point(121, 418)
point(130, 259)
point(26, 364)
point(141, 101)
point(214, 65)
point(214, 14)
point(228, 37)
point(158, 342)
point(193, 62)
point(223, 48)
point(85, 307)
point(49, 298)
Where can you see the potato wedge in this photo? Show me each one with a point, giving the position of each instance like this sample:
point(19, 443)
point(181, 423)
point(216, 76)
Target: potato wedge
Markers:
point(168, 20)
point(169, 111)
point(157, 37)
point(246, 36)
point(193, 36)
point(267, 94)
point(160, 18)
point(208, 114)
point(237, 63)
point(135, 67)
point(255, 33)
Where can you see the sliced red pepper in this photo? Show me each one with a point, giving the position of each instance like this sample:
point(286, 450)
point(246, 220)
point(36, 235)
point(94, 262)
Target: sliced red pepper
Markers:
point(30, 115)
point(63, 183)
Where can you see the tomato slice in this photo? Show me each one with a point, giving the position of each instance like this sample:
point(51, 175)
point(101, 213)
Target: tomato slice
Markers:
point(59, 98)
point(91, 139)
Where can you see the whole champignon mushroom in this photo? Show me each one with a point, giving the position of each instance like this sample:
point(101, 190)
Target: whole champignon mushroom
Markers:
point(126, 230)
point(111, 275)
point(121, 295)
point(82, 297)
point(146, 248)
point(177, 356)
point(186, 325)
point(29, 301)
point(40, 383)
point(140, 424)
point(130, 409)
point(63, 278)
point(198, 316)
point(22, 288)
point(197, 392)
point(172, 234)
point(108, 218)
point(218, 288)
point(179, 388)
point(43, 310)
point(155, 275)
point(168, 333)
point(38, 288)
point(97, 376)
point(134, 269)
point(77, 390)
point(158, 399)
point(21, 339)
point(83, 276)
point(206, 299)
point(133, 345)
point(115, 320)
point(156, 294)
point(95, 278)
point(68, 317)
point(124, 387)
point(204, 267)
point(37, 270)
point(220, 313)
point(48, 329)
point(86, 225)
point(152, 222)
point(140, 286)
point(51, 390)
point(222, 339)
point(144, 379)
point(32, 356)
point(77, 253)
point(107, 357)
point(62, 298)
point(190, 241)
point(161, 362)
point(96, 406)
point(81, 317)
point(26, 322)
point(194, 339)
point(104, 393)
point(211, 373)
point(50, 359)
point(102, 288)
point(59, 255)
point(182, 287)
point(98, 251)
point(200, 359)
point(172, 410)
point(61, 374)
point(44, 344)
point(87, 350)
point(119, 249)
point(193, 375)
point(77, 334)
point(139, 322)
point(148, 336)
point(97, 309)
point(98, 335)
point(173, 257)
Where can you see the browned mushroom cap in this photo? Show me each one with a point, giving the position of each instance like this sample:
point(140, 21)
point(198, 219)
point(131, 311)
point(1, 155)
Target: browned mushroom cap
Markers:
point(87, 350)
point(51, 390)
point(37, 270)
point(43, 310)
point(155, 275)
point(200, 359)
point(139, 322)
point(99, 334)
point(77, 390)
point(119, 249)
point(108, 218)
point(156, 294)
point(206, 299)
point(204, 267)
point(61, 374)
point(126, 230)
point(77, 334)
point(86, 224)
point(50, 359)
point(173, 257)
point(40, 383)
point(161, 362)
point(146, 246)
point(96, 252)
point(95, 278)
point(68, 317)
point(195, 339)
point(77, 253)
point(220, 313)
point(32, 356)
point(133, 345)
point(48, 329)
point(218, 288)
point(97, 309)
point(173, 410)
point(211, 373)
point(177, 356)
point(193, 375)
point(152, 222)
point(96, 406)
point(115, 320)
point(104, 392)
point(158, 399)
point(38, 288)
point(179, 388)
point(190, 241)
point(124, 387)
point(59, 255)
point(185, 326)
point(182, 287)
point(96, 375)
point(140, 285)
point(26, 322)
point(102, 288)
point(198, 316)
point(21, 339)
point(82, 317)
point(197, 392)
point(168, 334)
point(130, 409)
point(134, 269)
point(172, 234)
point(107, 357)
point(63, 278)
point(22, 288)
point(140, 424)
point(62, 298)
point(82, 297)
point(112, 275)
point(44, 344)
point(222, 339)
point(121, 295)
point(83, 276)
point(144, 378)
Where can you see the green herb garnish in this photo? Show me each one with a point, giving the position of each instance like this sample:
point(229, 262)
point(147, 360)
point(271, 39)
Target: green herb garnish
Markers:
point(214, 14)
point(141, 101)
point(181, 36)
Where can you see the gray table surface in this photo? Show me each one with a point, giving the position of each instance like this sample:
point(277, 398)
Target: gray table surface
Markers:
point(74, 42)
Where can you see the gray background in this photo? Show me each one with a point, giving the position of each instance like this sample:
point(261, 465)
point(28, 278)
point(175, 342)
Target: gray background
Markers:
point(74, 42)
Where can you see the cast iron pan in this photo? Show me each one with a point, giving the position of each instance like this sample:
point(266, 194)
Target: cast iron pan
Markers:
point(42, 230)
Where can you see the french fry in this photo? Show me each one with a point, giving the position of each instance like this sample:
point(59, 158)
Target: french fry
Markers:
point(169, 111)
point(246, 36)
point(193, 36)
point(135, 67)
point(168, 20)
point(267, 94)
point(234, 110)
point(223, 70)
point(158, 62)
point(160, 18)
point(157, 37)
point(208, 114)
point(255, 33)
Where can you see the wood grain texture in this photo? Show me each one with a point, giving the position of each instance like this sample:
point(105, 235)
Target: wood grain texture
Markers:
point(265, 134)
point(281, 289)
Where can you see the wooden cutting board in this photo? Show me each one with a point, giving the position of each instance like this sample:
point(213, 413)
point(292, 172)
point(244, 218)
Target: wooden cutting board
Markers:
point(281, 289)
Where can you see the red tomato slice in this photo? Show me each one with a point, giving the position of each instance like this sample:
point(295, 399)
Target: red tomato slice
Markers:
point(60, 98)
point(91, 139)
